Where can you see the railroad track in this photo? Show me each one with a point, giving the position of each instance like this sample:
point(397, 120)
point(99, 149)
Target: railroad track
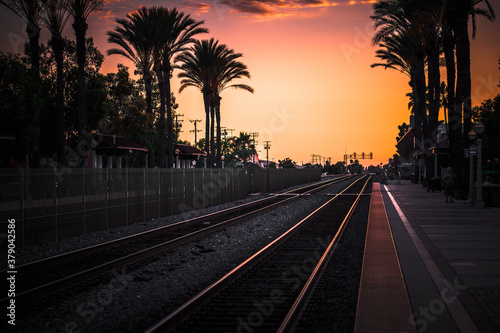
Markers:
point(46, 277)
point(269, 291)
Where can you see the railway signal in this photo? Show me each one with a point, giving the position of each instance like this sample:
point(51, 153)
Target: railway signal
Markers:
point(354, 156)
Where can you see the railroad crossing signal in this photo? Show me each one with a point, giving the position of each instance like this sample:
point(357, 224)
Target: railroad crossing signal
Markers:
point(355, 156)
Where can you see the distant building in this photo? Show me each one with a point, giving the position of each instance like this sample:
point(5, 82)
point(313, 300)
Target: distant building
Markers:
point(111, 148)
point(186, 156)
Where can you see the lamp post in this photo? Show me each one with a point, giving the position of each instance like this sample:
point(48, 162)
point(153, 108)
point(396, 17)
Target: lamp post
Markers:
point(177, 158)
point(472, 137)
point(479, 203)
point(222, 158)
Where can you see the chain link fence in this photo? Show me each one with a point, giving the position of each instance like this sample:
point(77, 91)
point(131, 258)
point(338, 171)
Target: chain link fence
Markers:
point(51, 204)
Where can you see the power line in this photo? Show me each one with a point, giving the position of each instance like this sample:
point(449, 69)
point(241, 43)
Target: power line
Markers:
point(195, 121)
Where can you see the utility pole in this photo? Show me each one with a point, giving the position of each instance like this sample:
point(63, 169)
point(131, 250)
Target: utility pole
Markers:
point(195, 129)
point(230, 130)
point(254, 135)
point(177, 125)
point(224, 131)
point(267, 146)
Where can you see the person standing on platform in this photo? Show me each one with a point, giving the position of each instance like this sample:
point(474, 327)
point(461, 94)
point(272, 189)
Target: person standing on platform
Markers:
point(449, 184)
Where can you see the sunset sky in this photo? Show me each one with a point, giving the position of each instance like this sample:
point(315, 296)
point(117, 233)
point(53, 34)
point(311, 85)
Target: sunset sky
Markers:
point(315, 92)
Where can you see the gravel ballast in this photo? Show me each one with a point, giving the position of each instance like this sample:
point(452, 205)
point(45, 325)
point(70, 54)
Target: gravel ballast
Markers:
point(136, 297)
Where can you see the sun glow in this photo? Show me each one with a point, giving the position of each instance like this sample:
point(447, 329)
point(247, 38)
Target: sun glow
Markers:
point(315, 92)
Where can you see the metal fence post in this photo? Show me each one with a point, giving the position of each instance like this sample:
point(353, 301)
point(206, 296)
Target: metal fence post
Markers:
point(21, 192)
point(56, 202)
point(159, 193)
point(84, 205)
point(126, 189)
point(144, 195)
point(107, 198)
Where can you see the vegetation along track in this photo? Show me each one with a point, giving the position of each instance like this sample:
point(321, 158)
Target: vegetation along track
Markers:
point(48, 276)
point(268, 291)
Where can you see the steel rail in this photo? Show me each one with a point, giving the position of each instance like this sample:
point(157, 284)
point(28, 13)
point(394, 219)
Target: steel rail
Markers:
point(293, 316)
point(47, 262)
point(71, 280)
point(178, 315)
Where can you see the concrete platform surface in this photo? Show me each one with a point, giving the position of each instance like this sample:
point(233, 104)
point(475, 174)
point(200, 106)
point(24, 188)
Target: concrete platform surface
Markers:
point(450, 257)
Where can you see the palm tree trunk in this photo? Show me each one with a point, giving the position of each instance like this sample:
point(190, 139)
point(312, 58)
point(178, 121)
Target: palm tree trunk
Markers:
point(33, 32)
point(212, 134)
point(420, 108)
point(219, 143)
point(463, 92)
point(33, 106)
point(206, 101)
point(170, 120)
point(454, 117)
point(161, 121)
point(434, 89)
point(148, 83)
point(80, 26)
point(58, 47)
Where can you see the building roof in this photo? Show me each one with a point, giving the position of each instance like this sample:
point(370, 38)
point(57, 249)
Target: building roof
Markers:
point(187, 150)
point(116, 142)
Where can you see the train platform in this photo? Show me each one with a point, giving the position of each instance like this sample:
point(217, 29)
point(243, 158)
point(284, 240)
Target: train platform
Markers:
point(448, 259)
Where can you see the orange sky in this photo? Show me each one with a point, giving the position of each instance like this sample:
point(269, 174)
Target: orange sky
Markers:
point(315, 92)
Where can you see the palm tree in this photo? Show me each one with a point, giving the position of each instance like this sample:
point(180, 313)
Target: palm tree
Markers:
point(462, 9)
point(401, 49)
point(135, 37)
point(430, 13)
point(30, 12)
point(443, 102)
point(229, 69)
point(454, 113)
point(197, 70)
point(460, 103)
point(243, 147)
point(211, 67)
point(55, 17)
point(80, 11)
point(399, 34)
point(177, 32)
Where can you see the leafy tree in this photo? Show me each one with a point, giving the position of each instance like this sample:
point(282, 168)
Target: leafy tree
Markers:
point(355, 167)
point(80, 11)
point(30, 12)
point(97, 105)
point(489, 114)
point(287, 163)
point(15, 100)
point(243, 148)
point(55, 17)
point(403, 128)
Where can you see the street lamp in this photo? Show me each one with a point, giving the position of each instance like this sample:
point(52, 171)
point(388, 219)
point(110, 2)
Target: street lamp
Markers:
point(222, 158)
point(177, 151)
point(479, 203)
point(472, 137)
